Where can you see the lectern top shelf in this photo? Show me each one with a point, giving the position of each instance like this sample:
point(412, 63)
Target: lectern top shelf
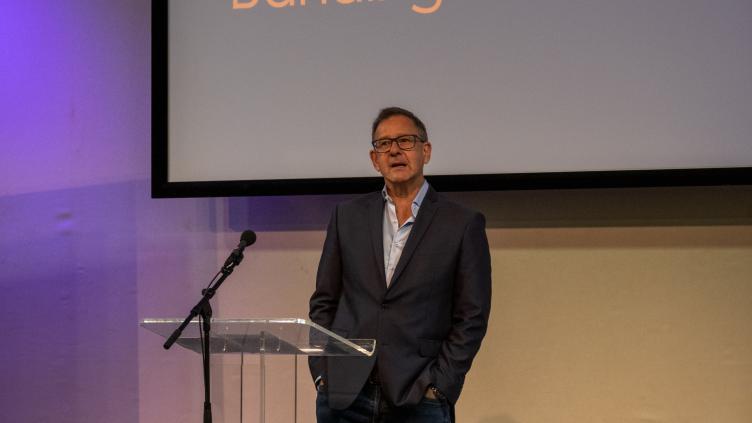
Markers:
point(287, 336)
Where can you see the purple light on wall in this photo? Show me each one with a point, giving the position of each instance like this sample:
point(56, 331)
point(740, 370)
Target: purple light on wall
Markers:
point(74, 93)
point(68, 279)
point(74, 134)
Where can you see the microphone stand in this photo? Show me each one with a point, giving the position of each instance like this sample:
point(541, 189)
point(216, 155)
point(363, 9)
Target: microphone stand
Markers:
point(204, 310)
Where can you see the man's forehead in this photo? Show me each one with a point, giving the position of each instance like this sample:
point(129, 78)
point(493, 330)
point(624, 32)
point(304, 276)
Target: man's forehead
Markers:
point(394, 126)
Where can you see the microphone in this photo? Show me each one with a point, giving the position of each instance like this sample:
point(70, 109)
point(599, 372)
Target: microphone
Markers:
point(247, 238)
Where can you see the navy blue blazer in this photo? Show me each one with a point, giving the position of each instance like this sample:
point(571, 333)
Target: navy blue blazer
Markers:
point(428, 324)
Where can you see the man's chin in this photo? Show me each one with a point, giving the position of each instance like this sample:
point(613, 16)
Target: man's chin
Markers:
point(398, 179)
point(401, 179)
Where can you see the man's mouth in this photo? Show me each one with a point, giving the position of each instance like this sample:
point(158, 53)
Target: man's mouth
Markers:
point(398, 165)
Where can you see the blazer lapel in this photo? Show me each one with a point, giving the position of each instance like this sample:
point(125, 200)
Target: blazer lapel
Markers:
point(376, 225)
point(422, 222)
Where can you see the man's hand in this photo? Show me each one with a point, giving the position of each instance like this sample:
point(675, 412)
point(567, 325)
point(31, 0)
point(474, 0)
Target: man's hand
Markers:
point(430, 394)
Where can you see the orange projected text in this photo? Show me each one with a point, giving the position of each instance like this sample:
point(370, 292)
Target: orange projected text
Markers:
point(422, 7)
point(426, 10)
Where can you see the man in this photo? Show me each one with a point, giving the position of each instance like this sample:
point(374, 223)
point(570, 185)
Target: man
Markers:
point(410, 269)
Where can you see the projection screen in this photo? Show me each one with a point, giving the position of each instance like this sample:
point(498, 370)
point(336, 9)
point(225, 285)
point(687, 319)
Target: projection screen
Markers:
point(277, 96)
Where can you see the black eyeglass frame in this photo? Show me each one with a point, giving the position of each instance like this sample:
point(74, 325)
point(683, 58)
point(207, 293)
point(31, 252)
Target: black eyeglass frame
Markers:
point(410, 139)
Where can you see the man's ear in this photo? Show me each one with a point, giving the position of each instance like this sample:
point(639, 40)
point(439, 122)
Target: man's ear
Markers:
point(427, 152)
point(375, 163)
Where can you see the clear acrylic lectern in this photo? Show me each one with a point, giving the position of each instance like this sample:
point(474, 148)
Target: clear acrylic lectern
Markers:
point(287, 336)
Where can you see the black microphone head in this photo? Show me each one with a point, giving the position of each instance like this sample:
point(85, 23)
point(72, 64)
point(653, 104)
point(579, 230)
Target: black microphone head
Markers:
point(248, 237)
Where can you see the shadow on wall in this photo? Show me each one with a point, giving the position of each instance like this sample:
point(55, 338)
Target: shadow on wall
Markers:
point(679, 206)
point(284, 213)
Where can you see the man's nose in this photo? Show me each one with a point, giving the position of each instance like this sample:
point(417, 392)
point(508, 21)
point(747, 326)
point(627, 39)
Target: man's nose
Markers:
point(394, 148)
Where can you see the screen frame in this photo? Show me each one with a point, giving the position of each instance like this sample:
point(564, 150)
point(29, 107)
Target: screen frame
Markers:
point(161, 187)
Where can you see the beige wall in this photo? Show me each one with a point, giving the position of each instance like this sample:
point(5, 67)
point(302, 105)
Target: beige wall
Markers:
point(609, 306)
point(617, 325)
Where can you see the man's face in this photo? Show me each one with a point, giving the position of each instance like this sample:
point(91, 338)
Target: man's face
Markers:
point(399, 166)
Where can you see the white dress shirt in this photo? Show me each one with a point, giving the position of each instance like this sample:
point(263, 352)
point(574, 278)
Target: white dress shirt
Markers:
point(395, 236)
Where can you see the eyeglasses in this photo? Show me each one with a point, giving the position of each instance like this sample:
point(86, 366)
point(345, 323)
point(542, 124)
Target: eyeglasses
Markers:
point(404, 142)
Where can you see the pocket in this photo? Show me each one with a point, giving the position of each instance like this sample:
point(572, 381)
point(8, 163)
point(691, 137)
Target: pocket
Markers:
point(432, 401)
point(429, 347)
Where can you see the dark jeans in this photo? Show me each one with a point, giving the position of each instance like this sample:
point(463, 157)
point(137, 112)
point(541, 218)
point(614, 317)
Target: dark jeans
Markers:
point(370, 407)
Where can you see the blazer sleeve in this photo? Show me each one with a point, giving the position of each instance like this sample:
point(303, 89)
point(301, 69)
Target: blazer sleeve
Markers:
point(471, 309)
point(325, 298)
